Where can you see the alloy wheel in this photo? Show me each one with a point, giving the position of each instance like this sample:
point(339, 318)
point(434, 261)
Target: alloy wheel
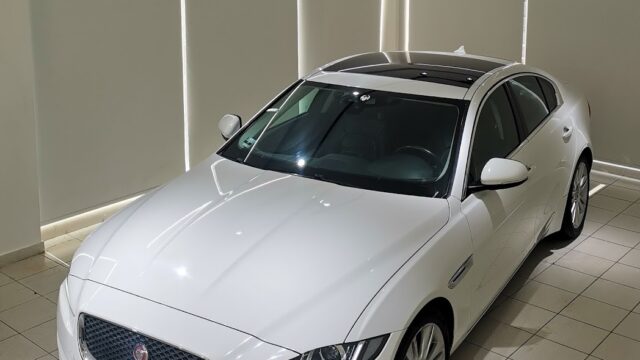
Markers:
point(579, 195)
point(427, 344)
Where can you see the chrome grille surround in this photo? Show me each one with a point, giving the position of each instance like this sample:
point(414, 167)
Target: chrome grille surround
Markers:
point(103, 340)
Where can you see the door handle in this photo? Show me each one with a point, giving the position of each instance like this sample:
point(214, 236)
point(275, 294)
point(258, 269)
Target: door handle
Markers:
point(567, 131)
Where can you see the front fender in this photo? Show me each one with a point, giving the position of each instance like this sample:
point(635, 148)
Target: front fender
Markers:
point(424, 277)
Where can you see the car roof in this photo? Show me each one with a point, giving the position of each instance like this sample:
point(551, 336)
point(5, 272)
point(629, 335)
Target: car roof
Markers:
point(451, 69)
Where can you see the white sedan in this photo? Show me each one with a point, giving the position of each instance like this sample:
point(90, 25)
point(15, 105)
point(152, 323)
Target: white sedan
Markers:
point(373, 210)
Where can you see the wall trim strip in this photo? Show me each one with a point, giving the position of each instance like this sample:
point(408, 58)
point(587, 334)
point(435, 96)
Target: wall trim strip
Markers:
point(617, 169)
point(83, 220)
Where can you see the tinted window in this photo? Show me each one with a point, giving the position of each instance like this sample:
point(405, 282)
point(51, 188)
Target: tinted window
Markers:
point(531, 101)
point(496, 134)
point(355, 137)
point(549, 93)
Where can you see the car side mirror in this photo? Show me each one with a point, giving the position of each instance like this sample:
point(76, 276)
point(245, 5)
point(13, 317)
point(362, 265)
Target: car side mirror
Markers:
point(500, 173)
point(229, 124)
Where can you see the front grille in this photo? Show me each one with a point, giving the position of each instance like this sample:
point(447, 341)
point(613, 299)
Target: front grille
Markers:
point(107, 341)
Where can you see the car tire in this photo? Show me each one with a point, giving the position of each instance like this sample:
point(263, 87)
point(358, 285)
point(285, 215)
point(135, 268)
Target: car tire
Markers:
point(432, 327)
point(575, 211)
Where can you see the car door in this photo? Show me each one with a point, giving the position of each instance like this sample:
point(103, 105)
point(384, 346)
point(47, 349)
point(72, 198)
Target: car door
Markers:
point(545, 149)
point(501, 221)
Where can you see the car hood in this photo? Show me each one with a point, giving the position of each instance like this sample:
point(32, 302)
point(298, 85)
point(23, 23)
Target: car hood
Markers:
point(292, 261)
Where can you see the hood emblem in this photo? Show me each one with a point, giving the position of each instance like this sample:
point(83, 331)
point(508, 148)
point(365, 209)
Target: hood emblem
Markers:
point(140, 352)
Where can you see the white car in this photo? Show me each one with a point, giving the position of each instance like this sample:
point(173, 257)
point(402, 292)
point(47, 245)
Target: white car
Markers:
point(372, 210)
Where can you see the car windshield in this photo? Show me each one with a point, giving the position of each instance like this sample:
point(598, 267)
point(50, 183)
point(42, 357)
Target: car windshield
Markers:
point(355, 137)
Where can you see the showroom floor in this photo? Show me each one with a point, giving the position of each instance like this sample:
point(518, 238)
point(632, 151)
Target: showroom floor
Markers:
point(571, 300)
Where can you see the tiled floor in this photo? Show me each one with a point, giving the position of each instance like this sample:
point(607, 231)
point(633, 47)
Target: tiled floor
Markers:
point(28, 295)
point(571, 299)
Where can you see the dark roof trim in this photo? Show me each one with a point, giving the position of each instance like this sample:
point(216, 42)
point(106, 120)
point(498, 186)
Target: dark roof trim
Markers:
point(449, 69)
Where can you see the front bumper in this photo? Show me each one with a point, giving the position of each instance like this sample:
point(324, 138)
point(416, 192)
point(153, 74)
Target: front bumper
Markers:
point(198, 336)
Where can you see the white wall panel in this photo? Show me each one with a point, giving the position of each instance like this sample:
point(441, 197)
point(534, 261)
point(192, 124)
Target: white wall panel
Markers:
point(19, 213)
point(488, 27)
point(332, 29)
point(109, 95)
point(594, 46)
point(241, 53)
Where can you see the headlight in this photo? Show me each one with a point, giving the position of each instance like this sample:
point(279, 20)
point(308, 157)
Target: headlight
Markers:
point(359, 350)
point(72, 289)
point(65, 288)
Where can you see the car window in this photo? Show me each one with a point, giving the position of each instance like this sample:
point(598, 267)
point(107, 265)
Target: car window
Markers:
point(549, 93)
point(301, 106)
point(530, 99)
point(496, 134)
point(250, 136)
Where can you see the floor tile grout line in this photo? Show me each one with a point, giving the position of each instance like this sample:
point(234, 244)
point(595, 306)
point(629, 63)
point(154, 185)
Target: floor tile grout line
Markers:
point(553, 341)
point(22, 303)
point(604, 302)
point(581, 252)
point(35, 326)
point(611, 242)
point(31, 342)
point(33, 274)
point(626, 187)
point(21, 333)
point(559, 288)
point(621, 213)
point(30, 300)
point(39, 274)
point(600, 192)
point(521, 301)
point(36, 291)
point(628, 214)
point(513, 352)
point(586, 323)
point(618, 324)
point(618, 227)
point(595, 222)
point(578, 271)
point(609, 209)
point(9, 326)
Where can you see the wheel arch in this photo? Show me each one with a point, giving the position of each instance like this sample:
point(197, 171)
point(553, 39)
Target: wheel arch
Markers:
point(438, 308)
point(442, 306)
point(588, 154)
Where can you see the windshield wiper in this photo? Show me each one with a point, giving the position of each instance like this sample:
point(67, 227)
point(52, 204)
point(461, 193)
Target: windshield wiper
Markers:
point(321, 177)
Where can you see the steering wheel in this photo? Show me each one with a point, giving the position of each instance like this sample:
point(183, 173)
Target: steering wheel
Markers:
point(422, 152)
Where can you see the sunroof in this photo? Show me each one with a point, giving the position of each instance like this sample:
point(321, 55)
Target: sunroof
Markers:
point(432, 67)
